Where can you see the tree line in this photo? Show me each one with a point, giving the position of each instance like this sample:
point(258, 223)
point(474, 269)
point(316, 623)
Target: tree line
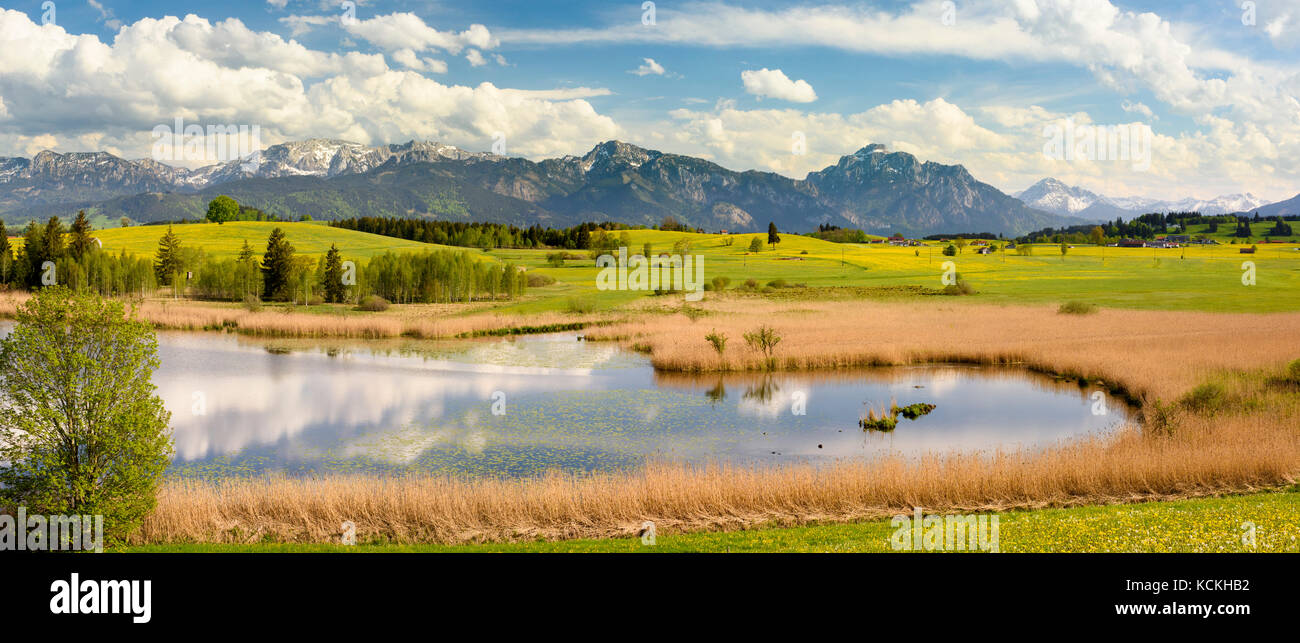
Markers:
point(479, 235)
point(281, 274)
point(52, 254)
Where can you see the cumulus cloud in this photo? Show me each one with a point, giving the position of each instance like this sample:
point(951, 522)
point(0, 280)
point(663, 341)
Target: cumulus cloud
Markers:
point(648, 68)
point(409, 59)
point(409, 31)
point(773, 83)
point(1001, 145)
point(74, 88)
point(935, 130)
point(1137, 108)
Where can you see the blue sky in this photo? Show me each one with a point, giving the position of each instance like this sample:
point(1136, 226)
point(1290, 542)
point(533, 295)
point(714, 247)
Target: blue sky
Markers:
point(972, 82)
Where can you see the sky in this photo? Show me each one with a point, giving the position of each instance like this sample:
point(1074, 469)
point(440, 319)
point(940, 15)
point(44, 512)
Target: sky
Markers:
point(763, 85)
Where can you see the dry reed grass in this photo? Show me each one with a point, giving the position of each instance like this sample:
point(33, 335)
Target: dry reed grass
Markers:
point(418, 321)
point(1208, 456)
point(1151, 353)
point(1253, 442)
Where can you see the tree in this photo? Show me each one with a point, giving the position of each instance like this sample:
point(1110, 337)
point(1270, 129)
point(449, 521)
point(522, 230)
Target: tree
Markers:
point(247, 272)
point(82, 431)
point(755, 245)
point(53, 240)
point(950, 251)
point(6, 256)
point(33, 253)
point(81, 241)
point(961, 244)
point(168, 260)
point(334, 290)
point(764, 340)
point(125, 222)
point(1097, 235)
point(717, 340)
point(1065, 247)
point(772, 237)
point(277, 265)
point(223, 209)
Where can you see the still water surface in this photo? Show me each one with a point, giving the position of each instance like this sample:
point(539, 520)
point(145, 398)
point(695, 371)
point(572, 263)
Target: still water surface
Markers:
point(244, 406)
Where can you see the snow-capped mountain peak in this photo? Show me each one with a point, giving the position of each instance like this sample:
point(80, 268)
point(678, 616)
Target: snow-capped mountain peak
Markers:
point(1054, 196)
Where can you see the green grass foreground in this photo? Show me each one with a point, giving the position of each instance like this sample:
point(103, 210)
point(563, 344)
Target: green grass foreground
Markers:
point(1206, 525)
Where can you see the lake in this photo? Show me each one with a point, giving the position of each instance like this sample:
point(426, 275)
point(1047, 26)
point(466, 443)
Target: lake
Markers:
point(517, 407)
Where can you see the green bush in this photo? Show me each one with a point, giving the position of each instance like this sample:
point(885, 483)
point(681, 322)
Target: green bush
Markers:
point(1206, 398)
point(717, 340)
point(374, 304)
point(1293, 371)
point(1076, 308)
point(961, 288)
point(581, 305)
point(536, 280)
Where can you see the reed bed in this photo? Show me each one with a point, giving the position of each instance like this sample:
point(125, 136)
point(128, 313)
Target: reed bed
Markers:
point(1207, 457)
point(1250, 440)
point(418, 321)
point(1155, 354)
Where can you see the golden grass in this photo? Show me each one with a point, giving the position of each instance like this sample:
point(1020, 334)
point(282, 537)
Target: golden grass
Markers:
point(1151, 353)
point(1206, 457)
point(419, 321)
point(1252, 442)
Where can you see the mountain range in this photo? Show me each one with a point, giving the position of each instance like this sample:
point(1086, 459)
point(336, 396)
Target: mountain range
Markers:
point(872, 189)
point(1051, 195)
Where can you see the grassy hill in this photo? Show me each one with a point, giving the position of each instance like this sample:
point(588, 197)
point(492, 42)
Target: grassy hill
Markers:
point(225, 240)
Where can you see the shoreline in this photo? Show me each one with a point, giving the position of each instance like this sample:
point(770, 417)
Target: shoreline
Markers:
point(1247, 439)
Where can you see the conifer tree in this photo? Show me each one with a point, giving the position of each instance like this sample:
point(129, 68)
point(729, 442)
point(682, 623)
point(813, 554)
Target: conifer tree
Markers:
point(277, 264)
point(168, 260)
point(81, 241)
point(334, 290)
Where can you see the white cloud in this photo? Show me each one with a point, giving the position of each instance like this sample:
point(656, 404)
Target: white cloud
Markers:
point(1138, 108)
point(560, 94)
point(648, 68)
point(408, 31)
point(773, 83)
point(299, 25)
point(409, 59)
point(86, 94)
point(475, 58)
point(743, 139)
point(105, 15)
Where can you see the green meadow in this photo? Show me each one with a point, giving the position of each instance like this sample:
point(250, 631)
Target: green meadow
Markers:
point(1208, 278)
